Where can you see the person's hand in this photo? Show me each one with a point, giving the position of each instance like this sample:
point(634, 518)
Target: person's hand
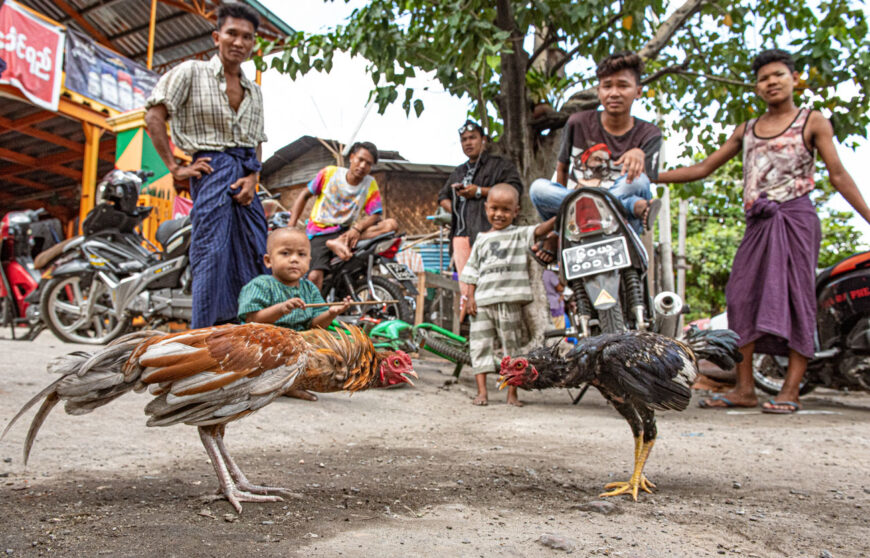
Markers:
point(340, 308)
point(183, 173)
point(351, 237)
point(471, 306)
point(292, 304)
point(632, 162)
point(247, 189)
point(466, 192)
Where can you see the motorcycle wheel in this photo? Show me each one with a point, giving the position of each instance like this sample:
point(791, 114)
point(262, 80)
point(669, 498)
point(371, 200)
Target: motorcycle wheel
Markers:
point(769, 375)
point(454, 351)
point(384, 290)
point(64, 301)
point(611, 320)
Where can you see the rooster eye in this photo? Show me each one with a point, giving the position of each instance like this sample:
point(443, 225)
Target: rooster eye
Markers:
point(396, 362)
point(518, 365)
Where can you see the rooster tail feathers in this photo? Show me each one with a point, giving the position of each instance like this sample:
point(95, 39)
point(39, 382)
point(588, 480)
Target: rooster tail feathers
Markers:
point(87, 381)
point(719, 346)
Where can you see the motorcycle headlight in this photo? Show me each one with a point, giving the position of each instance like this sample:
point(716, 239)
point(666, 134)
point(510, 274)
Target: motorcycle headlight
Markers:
point(587, 215)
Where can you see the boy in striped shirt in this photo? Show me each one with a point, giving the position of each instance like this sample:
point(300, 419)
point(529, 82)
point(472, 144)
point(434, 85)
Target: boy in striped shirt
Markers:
point(497, 274)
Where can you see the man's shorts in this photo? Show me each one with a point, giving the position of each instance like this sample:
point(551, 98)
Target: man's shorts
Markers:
point(320, 254)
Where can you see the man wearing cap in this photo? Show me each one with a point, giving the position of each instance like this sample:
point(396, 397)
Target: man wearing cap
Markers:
point(464, 193)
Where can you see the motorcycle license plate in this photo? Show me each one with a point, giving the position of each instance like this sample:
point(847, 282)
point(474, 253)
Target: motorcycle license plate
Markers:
point(596, 257)
point(400, 271)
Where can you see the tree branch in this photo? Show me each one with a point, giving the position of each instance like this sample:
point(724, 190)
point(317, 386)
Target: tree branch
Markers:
point(667, 30)
point(584, 44)
point(551, 39)
point(714, 78)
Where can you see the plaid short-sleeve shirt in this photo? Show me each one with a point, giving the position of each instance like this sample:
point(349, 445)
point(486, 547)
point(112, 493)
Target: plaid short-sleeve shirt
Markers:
point(201, 118)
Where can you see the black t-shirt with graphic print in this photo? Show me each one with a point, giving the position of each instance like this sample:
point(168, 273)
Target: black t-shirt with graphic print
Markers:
point(589, 150)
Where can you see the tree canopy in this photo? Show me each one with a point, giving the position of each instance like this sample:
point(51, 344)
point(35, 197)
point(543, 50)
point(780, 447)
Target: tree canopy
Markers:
point(698, 54)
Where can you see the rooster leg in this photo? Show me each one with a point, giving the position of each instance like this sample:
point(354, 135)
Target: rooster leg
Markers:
point(236, 473)
point(209, 435)
point(643, 427)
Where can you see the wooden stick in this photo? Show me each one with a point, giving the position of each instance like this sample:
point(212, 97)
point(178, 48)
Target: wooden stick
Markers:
point(353, 303)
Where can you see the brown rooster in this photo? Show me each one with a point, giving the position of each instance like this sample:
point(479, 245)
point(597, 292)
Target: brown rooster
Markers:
point(637, 372)
point(212, 376)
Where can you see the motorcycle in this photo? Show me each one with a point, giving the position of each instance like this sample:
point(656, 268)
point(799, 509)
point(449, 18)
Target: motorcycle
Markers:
point(605, 266)
point(112, 274)
point(19, 278)
point(842, 358)
point(371, 274)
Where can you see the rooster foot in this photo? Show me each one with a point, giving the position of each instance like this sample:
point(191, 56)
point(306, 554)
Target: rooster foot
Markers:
point(258, 489)
point(632, 486)
point(235, 496)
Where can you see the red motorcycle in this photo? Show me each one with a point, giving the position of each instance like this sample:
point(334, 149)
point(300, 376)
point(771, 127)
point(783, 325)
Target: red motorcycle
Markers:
point(22, 235)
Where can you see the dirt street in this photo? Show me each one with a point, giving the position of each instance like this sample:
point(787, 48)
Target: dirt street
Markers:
point(421, 472)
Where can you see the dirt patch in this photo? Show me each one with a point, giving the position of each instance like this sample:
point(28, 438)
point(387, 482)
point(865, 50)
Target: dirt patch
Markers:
point(422, 472)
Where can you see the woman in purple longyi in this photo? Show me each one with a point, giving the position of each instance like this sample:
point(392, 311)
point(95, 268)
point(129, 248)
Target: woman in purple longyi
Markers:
point(771, 292)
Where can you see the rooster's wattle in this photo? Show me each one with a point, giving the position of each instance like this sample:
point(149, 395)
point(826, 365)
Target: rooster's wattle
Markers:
point(212, 376)
point(637, 372)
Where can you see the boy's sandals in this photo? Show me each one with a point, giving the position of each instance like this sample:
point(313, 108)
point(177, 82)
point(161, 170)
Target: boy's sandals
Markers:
point(772, 407)
point(544, 254)
point(718, 401)
point(651, 213)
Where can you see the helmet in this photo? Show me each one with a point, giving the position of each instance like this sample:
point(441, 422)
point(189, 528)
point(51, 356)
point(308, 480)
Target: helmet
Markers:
point(120, 188)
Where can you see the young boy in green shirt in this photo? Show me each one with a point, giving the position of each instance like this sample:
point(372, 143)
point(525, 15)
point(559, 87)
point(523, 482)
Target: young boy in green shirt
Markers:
point(280, 298)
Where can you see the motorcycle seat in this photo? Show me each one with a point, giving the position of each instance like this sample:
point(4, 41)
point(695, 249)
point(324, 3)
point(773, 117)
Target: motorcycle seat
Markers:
point(362, 245)
point(169, 228)
point(857, 261)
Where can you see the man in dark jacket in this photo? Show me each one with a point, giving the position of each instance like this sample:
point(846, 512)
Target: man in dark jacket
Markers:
point(465, 191)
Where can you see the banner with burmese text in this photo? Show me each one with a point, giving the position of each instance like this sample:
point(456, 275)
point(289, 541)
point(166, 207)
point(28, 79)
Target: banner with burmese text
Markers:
point(31, 49)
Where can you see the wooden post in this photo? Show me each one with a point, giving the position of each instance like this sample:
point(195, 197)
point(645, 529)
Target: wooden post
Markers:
point(681, 253)
point(258, 78)
point(421, 298)
point(89, 169)
point(151, 25)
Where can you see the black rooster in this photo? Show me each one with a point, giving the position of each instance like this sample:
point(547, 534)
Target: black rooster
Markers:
point(637, 372)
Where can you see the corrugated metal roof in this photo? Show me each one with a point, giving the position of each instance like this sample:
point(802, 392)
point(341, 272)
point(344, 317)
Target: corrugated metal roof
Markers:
point(180, 35)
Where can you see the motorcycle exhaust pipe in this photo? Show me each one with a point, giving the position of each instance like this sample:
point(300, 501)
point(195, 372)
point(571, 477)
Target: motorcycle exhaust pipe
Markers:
point(667, 306)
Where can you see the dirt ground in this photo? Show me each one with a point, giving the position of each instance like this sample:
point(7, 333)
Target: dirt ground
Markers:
point(421, 472)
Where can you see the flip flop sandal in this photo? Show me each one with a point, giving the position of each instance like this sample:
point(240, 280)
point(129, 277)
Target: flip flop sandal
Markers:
point(651, 213)
point(540, 261)
point(772, 410)
point(728, 404)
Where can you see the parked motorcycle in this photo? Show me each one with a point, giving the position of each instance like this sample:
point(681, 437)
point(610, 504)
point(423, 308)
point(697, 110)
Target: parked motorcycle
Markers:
point(842, 359)
point(19, 278)
point(605, 265)
point(373, 274)
point(112, 274)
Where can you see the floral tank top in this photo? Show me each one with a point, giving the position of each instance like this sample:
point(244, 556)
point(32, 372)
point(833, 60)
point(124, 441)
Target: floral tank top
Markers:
point(781, 166)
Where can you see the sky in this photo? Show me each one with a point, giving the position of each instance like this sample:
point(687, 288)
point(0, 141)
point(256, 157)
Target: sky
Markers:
point(333, 105)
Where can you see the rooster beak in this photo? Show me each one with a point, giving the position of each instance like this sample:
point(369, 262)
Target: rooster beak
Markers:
point(503, 380)
point(408, 375)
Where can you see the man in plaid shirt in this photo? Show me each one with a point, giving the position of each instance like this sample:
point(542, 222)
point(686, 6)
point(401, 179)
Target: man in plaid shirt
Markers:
point(216, 116)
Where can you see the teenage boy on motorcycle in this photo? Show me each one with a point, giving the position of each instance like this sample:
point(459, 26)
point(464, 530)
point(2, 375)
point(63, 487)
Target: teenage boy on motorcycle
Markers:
point(610, 149)
point(770, 296)
point(347, 208)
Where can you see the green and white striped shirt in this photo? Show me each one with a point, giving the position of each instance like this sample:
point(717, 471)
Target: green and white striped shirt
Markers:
point(499, 266)
point(200, 115)
point(264, 291)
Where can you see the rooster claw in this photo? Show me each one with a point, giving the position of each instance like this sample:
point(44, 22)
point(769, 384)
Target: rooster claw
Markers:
point(236, 496)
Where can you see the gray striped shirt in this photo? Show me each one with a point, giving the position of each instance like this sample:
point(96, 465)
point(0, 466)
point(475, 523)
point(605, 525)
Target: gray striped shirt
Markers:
point(499, 266)
point(201, 118)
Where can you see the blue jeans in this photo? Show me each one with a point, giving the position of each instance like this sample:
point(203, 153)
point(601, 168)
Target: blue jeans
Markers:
point(547, 196)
